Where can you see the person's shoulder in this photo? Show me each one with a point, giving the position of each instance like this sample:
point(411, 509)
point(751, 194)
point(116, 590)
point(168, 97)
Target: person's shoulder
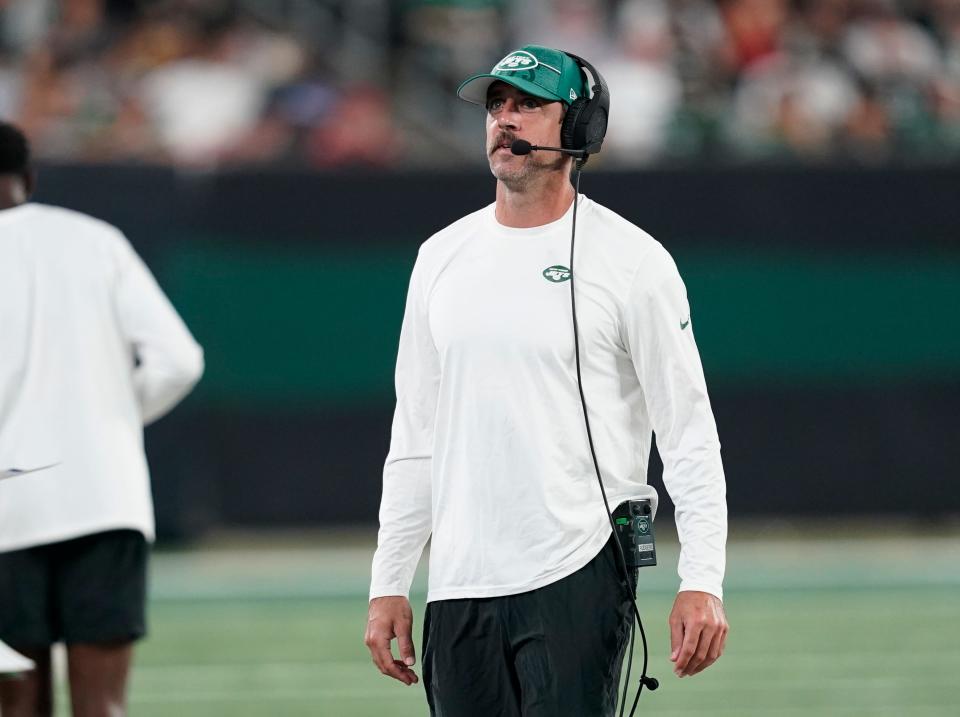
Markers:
point(645, 258)
point(627, 237)
point(80, 224)
point(452, 235)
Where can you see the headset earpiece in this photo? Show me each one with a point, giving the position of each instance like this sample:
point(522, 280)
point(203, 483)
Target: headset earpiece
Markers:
point(585, 124)
point(568, 130)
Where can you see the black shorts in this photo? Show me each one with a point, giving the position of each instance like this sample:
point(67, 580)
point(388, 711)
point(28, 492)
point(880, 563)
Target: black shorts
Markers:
point(551, 652)
point(86, 590)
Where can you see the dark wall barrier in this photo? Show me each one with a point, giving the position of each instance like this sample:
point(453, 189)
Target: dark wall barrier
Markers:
point(825, 305)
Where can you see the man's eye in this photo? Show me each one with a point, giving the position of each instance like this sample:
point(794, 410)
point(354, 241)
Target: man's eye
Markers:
point(494, 104)
point(529, 104)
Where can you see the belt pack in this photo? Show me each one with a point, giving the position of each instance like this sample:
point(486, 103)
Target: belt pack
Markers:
point(633, 520)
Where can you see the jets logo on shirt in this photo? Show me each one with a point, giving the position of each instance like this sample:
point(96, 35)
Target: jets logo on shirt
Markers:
point(556, 273)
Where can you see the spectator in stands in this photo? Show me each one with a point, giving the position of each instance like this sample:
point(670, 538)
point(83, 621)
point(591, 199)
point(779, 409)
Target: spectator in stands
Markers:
point(886, 48)
point(358, 131)
point(784, 105)
point(755, 28)
point(202, 103)
point(580, 26)
point(643, 78)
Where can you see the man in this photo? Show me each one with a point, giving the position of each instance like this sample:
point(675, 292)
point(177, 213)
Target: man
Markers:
point(91, 351)
point(527, 611)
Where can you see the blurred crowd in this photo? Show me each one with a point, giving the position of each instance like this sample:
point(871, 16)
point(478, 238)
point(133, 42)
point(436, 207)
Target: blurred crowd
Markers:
point(337, 83)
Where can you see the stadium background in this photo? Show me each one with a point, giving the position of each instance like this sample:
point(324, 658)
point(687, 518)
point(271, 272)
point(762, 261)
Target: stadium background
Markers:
point(277, 162)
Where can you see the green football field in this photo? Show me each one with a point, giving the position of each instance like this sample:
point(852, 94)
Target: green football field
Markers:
point(851, 625)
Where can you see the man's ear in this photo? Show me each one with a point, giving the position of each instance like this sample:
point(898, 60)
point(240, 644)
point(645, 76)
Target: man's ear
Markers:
point(30, 182)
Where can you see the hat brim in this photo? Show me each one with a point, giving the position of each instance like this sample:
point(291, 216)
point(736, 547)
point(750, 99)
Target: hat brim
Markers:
point(474, 89)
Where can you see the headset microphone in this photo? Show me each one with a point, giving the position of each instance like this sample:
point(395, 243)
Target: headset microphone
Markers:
point(522, 147)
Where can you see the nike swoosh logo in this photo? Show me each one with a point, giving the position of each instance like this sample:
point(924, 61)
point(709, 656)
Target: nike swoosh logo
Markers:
point(684, 324)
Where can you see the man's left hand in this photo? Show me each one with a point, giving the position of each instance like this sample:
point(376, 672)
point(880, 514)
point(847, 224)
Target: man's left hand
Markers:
point(698, 632)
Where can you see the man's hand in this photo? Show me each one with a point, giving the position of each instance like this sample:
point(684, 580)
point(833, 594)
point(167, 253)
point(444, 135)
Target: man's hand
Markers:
point(388, 618)
point(698, 632)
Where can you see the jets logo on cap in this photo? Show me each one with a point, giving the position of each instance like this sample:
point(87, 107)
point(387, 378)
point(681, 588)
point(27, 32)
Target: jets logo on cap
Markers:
point(521, 60)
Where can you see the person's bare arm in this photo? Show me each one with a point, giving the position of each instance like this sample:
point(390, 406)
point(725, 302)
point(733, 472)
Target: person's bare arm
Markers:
point(388, 618)
point(698, 632)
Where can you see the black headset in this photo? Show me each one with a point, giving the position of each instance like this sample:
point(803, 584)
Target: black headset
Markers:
point(585, 123)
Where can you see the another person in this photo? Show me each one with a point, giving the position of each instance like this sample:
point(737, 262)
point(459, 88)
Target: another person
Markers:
point(91, 351)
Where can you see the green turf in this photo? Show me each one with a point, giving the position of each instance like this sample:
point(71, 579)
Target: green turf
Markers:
point(853, 628)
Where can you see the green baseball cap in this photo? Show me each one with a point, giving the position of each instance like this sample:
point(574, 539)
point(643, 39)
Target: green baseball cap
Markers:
point(538, 71)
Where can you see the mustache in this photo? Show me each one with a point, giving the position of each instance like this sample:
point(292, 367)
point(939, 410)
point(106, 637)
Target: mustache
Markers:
point(502, 139)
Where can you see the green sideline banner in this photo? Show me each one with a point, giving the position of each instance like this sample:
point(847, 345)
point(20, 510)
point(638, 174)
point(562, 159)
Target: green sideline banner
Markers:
point(285, 323)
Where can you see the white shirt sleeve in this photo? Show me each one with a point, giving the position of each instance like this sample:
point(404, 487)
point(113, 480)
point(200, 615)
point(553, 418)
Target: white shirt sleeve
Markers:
point(660, 339)
point(405, 505)
point(169, 360)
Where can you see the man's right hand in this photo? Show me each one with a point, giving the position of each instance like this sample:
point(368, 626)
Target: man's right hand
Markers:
point(388, 618)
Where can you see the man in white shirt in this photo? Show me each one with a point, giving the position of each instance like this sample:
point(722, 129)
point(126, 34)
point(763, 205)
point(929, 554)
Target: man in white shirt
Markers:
point(91, 350)
point(527, 610)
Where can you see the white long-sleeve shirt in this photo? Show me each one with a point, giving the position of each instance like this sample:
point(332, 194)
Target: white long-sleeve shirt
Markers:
point(489, 451)
point(90, 351)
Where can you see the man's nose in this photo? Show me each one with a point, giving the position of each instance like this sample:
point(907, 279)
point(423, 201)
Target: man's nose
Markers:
point(507, 120)
point(509, 115)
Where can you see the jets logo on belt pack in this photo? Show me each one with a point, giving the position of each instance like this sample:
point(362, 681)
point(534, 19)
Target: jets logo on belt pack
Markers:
point(517, 61)
point(556, 273)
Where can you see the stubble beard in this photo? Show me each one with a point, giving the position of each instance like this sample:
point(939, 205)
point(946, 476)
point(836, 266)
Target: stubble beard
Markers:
point(520, 176)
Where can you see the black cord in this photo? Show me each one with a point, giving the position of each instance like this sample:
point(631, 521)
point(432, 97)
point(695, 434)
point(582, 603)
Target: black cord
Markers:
point(644, 680)
point(626, 682)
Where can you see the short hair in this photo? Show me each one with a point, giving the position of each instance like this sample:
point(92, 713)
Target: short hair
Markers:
point(14, 150)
